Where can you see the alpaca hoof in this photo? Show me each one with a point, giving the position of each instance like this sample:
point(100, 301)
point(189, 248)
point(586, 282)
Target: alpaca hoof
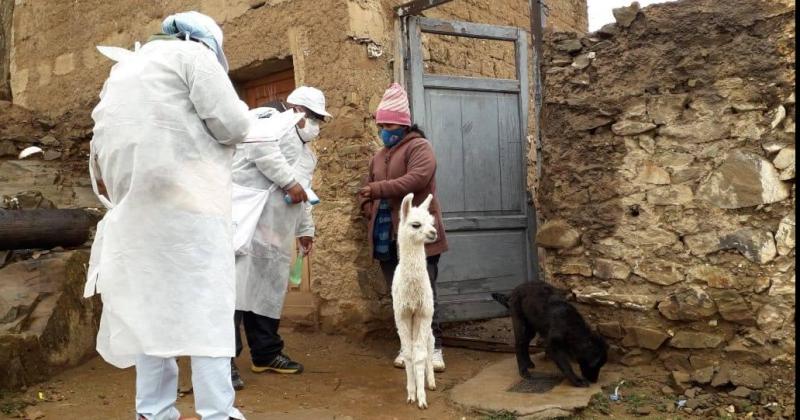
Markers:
point(411, 399)
point(422, 401)
point(432, 385)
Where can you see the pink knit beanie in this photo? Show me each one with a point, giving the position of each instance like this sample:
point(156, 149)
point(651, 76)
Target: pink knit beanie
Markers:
point(393, 108)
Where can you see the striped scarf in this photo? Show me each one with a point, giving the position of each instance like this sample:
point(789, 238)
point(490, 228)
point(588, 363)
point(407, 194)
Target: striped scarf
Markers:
point(382, 233)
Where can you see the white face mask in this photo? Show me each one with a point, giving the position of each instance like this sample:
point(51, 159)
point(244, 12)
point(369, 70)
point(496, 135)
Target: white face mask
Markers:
point(310, 131)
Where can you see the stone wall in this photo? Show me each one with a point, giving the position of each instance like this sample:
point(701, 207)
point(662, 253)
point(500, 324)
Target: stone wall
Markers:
point(667, 186)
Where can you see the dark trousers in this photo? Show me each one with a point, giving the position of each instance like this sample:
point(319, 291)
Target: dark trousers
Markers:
point(388, 267)
point(262, 336)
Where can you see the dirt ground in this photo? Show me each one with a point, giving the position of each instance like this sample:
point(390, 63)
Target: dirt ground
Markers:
point(342, 379)
point(354, 380)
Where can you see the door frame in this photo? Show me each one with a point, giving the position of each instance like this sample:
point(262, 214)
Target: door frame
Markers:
point(417, 80)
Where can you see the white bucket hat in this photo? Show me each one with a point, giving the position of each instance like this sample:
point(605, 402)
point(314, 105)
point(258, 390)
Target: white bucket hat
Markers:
point(311, 98)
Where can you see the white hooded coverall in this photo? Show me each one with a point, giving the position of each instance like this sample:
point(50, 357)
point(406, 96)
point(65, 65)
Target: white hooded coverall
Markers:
point(163, 259)
point(262, 273)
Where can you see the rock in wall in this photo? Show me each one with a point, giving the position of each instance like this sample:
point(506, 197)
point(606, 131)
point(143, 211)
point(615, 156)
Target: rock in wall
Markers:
point(45, 323)
point(668, 167)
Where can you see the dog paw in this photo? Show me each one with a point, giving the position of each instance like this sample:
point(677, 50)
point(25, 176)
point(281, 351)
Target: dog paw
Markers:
point(581, 383)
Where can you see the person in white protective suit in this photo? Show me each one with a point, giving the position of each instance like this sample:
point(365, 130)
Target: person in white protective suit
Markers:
point(163, 260)
point(284, 168)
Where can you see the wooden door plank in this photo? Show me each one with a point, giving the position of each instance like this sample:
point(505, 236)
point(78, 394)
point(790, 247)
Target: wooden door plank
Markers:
point(483, 255)
point(479, 130)
point(445, 135)
point(511, 163)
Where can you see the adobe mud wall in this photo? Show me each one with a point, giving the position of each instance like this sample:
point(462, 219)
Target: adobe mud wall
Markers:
point(668, 185)
point(344, 47)
point(566, 15)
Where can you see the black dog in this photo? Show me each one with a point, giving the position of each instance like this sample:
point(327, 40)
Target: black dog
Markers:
point(537, 307)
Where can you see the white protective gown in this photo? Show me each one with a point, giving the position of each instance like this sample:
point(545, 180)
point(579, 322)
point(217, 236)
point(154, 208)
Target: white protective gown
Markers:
point(162, 259)
point(262, 273)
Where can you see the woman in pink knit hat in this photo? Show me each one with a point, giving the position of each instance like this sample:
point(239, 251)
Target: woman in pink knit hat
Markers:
point(406, 164)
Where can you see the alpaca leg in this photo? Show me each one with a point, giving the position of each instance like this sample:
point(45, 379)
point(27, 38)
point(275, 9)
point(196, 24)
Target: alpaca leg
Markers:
point(404, 332)
point(429, 378)
point(420, 334)
point(411, 383)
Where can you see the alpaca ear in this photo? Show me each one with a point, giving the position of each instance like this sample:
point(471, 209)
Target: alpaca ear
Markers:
point(405, 208)
point(427, 203)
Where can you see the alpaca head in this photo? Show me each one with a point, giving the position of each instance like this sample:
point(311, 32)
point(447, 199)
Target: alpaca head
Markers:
point(416, 223)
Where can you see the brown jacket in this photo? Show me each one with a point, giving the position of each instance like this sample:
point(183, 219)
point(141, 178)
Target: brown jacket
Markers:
point(408, 167)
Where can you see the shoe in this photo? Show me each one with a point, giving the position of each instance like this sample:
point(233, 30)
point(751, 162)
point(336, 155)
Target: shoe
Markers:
point(236, 378)
point(280, 364)
point(399, 362)
point(438, 360)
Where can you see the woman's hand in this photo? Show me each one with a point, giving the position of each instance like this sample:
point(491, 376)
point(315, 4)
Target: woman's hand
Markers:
point(365, 192)
point(306, 243)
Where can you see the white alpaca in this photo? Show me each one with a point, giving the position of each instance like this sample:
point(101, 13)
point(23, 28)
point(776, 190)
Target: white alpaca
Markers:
point(412, 298)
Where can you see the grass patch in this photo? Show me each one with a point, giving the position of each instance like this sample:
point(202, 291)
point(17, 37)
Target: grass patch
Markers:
point(12, 407)
point(601, 403)
point(500, 415)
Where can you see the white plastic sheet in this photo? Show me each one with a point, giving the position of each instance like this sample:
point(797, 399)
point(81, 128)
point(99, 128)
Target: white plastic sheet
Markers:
point(248, 203)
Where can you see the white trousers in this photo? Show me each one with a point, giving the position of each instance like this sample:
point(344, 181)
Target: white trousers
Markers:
point(157, 388)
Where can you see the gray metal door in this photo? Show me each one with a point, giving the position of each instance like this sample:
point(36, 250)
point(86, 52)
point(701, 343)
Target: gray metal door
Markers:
point(478, 128)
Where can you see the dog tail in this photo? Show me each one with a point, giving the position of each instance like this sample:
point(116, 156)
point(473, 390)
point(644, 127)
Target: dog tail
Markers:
point(501, 298)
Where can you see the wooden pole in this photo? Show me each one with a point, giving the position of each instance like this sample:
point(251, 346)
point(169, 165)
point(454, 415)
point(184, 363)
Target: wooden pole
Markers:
point(537, 34)
point(44, 228)
point(416, 7)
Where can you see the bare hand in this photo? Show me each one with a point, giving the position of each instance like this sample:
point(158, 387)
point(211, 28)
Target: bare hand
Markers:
point(365, 192)
point(297, 194)
point(101, 188)
point(306, 243)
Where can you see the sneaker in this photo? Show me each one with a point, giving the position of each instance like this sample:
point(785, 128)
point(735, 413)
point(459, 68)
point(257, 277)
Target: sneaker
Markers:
point(236, 378)
point(399, 362)
point(438, 360)
point(280, 364)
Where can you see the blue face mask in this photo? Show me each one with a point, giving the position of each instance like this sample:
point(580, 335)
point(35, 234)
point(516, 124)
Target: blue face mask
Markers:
point(392, 137)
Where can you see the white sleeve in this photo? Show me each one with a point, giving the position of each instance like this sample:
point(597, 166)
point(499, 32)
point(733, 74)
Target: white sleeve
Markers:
point(306, 225)
point(215, 100)
point(271, 162)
